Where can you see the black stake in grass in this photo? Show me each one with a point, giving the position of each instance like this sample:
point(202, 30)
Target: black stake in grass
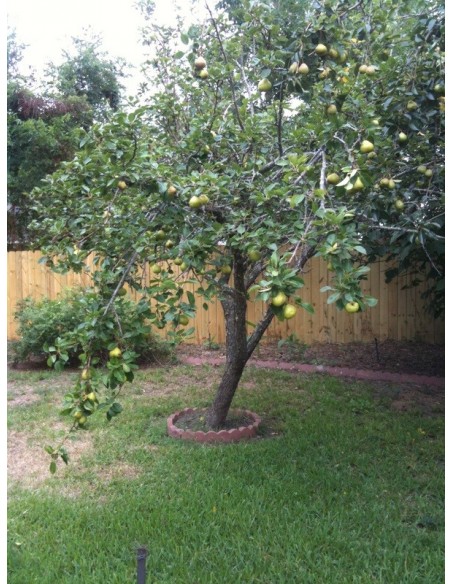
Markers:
point(141, 565)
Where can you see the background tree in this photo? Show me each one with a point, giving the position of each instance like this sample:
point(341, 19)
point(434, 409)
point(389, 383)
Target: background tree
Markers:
point(301, 129)
point(44, 124)
point(89, 72)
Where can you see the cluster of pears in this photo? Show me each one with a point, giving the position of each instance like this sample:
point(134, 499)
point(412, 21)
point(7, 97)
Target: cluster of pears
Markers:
point(195, 202)
point(367, 70)
point(366, 147)
point(201, 68)
point(298, 68)
point(428, 172)
point(89, 398)
point(322, 51)
point(280, 300)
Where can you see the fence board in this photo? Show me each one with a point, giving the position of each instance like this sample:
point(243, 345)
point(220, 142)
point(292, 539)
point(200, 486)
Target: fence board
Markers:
point(399, 314)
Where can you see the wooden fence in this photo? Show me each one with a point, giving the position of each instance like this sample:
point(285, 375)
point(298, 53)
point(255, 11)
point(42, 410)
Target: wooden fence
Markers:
point(399, 314)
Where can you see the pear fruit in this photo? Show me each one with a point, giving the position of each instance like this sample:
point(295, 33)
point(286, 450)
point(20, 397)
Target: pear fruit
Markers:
point(279, 299)
point(195, 202)
point(254, 255)
point(183, 319)
point(331, 110)
point(264, 85)
point(289, 311)
point(200, 63)
point(366, 147)
point(321, 50)
point(333, 178)
point(115, 353)
point(358, 186)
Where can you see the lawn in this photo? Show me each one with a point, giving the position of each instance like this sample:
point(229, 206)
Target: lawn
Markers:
point(341, 487)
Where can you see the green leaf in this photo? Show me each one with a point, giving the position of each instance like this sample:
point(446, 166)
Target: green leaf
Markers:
point(53, 467)
point(191, 298)
point(360, 249)
point(371, 301)
point(333, 298)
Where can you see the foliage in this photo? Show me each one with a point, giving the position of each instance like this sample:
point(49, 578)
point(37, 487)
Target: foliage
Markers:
point(243, 180)
point(90, 73)
point(45, 126)
point(35, 148)
point(61, 324)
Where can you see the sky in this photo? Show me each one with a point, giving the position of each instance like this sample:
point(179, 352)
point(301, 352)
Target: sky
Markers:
point(47, 26)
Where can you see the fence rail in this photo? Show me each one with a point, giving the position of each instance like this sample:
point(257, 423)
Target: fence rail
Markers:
point(399, 314)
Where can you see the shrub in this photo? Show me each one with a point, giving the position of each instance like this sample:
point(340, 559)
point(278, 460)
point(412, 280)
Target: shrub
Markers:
point(46, 323)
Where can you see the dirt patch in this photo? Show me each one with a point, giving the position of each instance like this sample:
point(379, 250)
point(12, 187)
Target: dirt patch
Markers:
point(391, 356)
point(23, 395)
point(152, 388)
point(121, 470)
point(410, 397)
point(28, 463)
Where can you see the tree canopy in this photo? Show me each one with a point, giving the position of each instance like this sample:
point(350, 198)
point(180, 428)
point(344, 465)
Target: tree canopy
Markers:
point(274, 131)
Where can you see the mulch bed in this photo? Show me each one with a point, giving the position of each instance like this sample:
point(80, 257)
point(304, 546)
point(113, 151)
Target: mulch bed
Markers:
point(196, 420)
point(392, 356)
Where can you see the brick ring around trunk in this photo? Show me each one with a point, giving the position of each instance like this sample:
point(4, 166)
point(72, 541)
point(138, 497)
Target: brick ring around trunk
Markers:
point(212, 436)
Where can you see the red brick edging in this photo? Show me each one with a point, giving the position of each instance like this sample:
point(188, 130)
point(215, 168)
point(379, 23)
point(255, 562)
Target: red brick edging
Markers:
point(233, 435)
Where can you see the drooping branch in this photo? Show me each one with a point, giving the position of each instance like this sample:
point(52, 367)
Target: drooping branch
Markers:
point(150, 217)
point(432, 263)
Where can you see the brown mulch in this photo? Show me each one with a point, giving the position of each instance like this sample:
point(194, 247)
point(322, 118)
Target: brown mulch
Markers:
point(393, 356)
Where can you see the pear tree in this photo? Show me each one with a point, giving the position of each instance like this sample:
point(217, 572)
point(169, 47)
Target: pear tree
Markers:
point(240, 177)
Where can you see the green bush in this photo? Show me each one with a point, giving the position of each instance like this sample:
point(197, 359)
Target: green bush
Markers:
point(63, 322)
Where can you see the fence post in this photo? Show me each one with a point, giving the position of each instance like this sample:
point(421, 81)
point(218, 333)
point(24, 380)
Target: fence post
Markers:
point(141, 565)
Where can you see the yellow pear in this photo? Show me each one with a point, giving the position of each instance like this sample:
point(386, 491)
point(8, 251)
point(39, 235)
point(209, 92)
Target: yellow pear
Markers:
point(366, 146)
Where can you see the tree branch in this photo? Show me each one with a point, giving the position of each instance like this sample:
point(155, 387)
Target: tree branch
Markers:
point(225, 59)
point(261, 327)
point(279, 121)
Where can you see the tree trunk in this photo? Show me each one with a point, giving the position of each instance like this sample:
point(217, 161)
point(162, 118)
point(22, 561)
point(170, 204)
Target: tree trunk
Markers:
point(236, 357)
point(238, 348)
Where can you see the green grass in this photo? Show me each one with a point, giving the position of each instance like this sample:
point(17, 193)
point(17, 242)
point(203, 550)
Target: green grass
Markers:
point(346, 491)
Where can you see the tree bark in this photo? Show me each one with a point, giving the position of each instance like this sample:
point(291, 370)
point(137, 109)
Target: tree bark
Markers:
point(233, 303)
